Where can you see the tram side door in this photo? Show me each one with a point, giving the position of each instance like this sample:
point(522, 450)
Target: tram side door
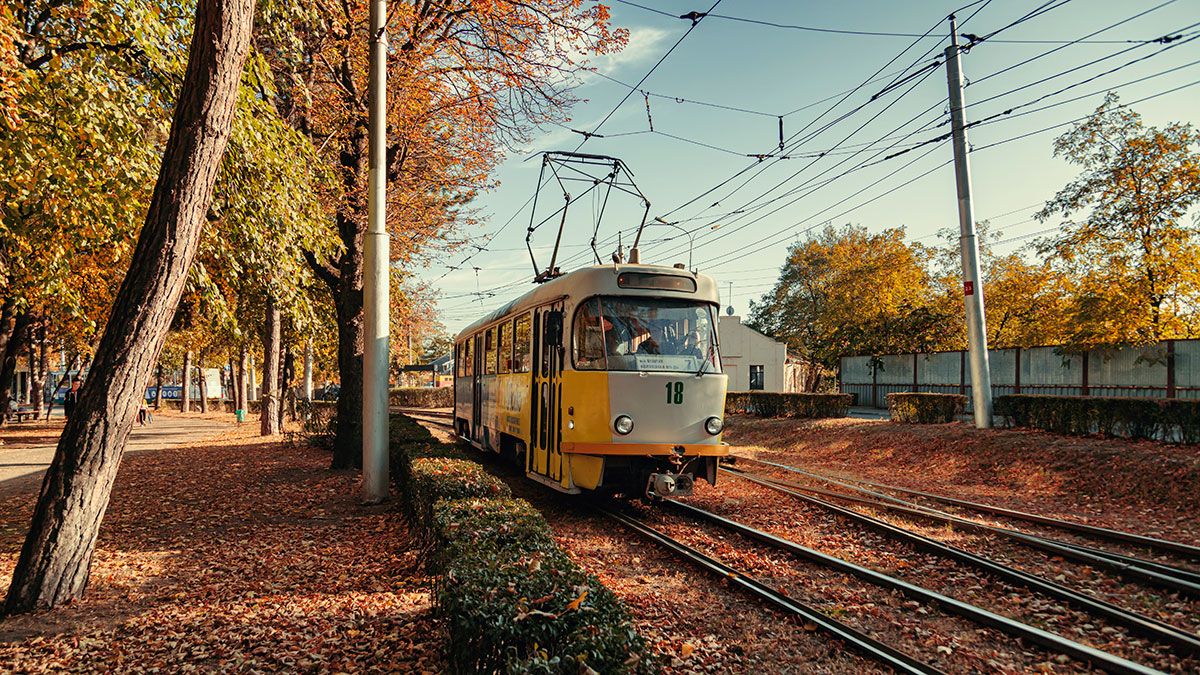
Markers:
point(477, 390)
point(546, 457)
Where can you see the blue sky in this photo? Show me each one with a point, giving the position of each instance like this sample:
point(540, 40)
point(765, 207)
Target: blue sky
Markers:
point(773, 71)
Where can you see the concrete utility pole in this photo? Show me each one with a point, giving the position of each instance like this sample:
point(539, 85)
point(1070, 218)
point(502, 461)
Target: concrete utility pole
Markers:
point(376, 303)
point(981, 377)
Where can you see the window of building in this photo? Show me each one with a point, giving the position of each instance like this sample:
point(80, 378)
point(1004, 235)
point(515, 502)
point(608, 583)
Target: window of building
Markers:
point(504, 345)
point(757, 378)
point(521, 346)
point(489, 352)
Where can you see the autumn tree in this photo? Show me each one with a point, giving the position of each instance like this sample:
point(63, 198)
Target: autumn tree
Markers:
point(55, 559)
point(465, 80)
point(847, 290)
point(1124, 231)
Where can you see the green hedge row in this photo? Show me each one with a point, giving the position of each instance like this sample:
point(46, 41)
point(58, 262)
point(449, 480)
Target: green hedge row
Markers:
point(510, 598)
point(925, 408)
point(1149, 418)
point(422, 397)
point(789, 404)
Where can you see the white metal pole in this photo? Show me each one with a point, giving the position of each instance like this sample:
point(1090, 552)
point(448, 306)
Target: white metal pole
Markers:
point(308, 370)
point(375, 275)
point(981, 378)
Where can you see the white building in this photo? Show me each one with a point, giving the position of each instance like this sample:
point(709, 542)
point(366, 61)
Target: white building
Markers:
point(755, 362)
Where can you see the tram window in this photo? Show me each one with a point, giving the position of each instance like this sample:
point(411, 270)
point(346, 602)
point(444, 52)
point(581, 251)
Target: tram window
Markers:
point(458, 361)
point(521, 347)
point(589, 337)
point(468, 360)
point(489, 352)
point(504, 346)
point(645, 334)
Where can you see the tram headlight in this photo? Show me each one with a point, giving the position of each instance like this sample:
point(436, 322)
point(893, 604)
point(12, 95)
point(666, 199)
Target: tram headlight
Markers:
point(623, 424)
point(714, 425)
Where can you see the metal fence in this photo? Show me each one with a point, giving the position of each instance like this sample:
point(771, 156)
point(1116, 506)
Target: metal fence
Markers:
point(1170, 369)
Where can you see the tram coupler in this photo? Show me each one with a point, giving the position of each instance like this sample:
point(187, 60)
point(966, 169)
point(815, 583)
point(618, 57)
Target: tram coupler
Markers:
point(669, 485)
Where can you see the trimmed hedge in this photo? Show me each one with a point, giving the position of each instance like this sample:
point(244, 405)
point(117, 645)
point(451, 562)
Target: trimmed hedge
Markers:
point(511, 600)
point(1149, 418)
point(422, 397)
point(925, 408)
point(787, 404)
point(539, 612)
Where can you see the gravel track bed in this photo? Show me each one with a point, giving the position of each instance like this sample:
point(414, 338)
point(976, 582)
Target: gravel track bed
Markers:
point(1157, 603)
point(829, 533)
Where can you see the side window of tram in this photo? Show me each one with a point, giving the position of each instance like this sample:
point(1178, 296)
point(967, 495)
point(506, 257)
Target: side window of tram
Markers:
point(589, 337)
point(489, 352)
point(522, 346)
point(504, 346)
point(468, 358)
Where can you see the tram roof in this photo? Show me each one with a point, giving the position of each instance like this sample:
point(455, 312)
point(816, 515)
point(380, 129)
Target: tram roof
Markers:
point(597, 280)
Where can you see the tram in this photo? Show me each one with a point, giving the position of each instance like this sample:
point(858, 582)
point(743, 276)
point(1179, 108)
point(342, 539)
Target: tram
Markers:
point(606, 379)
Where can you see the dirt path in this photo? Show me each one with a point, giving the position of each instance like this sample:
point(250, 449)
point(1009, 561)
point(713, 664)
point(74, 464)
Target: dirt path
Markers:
point(24, 458)
point(234, 553)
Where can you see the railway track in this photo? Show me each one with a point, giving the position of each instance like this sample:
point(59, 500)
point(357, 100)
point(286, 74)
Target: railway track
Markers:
point(1136, 623)
point(855, 639)
point(1148, 572)
point(983, 617)
point(438, 418)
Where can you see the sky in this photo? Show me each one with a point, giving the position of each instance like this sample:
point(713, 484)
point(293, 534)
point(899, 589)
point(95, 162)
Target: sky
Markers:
point(741, 232)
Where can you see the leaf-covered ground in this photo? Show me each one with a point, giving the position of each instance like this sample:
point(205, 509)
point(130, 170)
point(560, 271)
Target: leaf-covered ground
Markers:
point(231, 554)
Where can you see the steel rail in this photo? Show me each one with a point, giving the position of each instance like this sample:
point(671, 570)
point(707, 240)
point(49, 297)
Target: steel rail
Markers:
point(1139, 571)
point(1153, 543)
point(1137, 623)
point(1051, 641)
point(863, 643)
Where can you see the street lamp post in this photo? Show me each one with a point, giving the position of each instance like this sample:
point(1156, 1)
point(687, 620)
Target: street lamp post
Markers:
point(376, 302)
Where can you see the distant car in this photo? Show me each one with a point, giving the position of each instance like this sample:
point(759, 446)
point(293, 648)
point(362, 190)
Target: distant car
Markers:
point(329, 393)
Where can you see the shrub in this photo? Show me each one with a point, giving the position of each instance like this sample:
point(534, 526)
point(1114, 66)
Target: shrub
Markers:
point(787, 404)
point(433, 479)
point(422, 397)
point(925, 408)
point(514, 602)
point(1165, 419)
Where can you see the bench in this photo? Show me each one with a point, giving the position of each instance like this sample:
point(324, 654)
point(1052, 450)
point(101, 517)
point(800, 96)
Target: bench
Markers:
point(22, 413)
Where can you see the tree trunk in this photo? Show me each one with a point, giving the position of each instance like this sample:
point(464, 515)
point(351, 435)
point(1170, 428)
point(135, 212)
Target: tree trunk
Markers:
point(270, 384)
point(253, 377)
point(56, 557)
point(158, 385)
point(202, 385)
point(14, 342)
point(185, 395)
point(347, 449)
point(243, 360)
point(37, 371)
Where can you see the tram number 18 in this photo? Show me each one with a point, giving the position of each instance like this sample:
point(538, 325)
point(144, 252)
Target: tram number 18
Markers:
point(675, 393)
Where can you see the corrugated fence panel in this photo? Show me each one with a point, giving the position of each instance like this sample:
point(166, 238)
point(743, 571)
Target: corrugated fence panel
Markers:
point(938, 369)
point(1044, 371)
point(1187, 368)
point(856, 369)
point(896, 369)
point(1128, 372)
point(1002, 363)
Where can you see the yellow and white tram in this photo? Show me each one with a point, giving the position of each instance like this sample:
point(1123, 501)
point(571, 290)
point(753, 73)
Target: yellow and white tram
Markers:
point(604, 379)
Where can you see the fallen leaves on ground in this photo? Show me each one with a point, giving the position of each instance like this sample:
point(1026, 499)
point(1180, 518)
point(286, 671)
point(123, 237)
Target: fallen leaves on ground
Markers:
point(232, 554)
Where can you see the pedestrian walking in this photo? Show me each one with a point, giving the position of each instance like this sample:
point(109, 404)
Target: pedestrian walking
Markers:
point(70, 399)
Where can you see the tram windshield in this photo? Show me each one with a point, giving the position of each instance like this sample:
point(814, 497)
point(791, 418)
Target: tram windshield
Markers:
point(645, 334)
